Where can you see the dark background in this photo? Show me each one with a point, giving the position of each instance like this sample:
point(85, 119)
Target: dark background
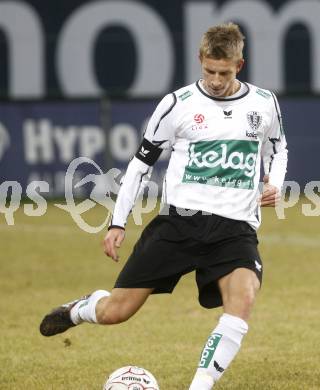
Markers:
point(115, 73)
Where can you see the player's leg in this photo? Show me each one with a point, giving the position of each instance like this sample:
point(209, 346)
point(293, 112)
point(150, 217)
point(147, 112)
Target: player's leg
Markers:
point(118, 307)
point(238, 290)
point(100, 307)
point(154, 266)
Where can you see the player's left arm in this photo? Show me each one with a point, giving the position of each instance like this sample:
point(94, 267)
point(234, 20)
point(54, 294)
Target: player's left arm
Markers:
point(275, 156)
point(271, 195)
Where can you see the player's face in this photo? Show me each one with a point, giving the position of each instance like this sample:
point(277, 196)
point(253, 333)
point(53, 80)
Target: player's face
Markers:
point(219, 76)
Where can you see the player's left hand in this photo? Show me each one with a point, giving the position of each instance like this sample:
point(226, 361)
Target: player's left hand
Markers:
point(270, 196)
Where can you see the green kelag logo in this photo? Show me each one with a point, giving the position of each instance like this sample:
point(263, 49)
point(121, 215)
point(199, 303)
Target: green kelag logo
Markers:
point(223, 163)
point(209, 349)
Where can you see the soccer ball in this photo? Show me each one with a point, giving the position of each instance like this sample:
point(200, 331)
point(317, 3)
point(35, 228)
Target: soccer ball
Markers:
point(131, 378)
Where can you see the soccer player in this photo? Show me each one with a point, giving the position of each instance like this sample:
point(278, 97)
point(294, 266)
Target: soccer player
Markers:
point(219, 129)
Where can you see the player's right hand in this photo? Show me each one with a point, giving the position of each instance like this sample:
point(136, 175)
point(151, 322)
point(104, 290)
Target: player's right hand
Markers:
point(112, 241)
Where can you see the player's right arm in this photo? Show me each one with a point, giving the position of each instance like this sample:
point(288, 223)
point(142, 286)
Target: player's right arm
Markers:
point(158, 136)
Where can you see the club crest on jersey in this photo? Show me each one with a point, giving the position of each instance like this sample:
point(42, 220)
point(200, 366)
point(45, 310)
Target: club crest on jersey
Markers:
point(199, 122)
point(254, 119)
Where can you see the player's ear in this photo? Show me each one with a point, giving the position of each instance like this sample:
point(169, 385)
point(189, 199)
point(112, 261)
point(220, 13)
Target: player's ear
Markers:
point(240, 65)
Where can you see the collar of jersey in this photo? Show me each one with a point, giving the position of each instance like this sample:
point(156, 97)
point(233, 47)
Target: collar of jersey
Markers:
point(223, 99)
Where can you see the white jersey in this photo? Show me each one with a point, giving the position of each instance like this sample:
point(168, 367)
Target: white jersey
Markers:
point(217, 147)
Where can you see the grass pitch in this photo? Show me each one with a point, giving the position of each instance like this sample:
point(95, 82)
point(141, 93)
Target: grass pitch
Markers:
point(48, 260)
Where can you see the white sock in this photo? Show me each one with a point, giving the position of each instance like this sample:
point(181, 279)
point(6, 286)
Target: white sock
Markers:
point(202, 380)
point(85, 310)
point(219, 351)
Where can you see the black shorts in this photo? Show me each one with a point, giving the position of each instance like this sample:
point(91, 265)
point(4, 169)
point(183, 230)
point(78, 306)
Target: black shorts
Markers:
point(173, 245)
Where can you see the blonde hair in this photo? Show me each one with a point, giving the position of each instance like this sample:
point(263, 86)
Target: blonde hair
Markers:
point(224, 41)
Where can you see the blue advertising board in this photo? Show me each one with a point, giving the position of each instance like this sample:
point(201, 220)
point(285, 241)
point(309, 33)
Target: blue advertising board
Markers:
point(301, 123)
point(38, 140)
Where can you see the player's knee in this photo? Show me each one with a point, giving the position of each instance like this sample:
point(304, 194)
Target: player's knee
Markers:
point(248, 296)
point(113, 311)
point(241, 301)
point(249, 291)
point(113, 315)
